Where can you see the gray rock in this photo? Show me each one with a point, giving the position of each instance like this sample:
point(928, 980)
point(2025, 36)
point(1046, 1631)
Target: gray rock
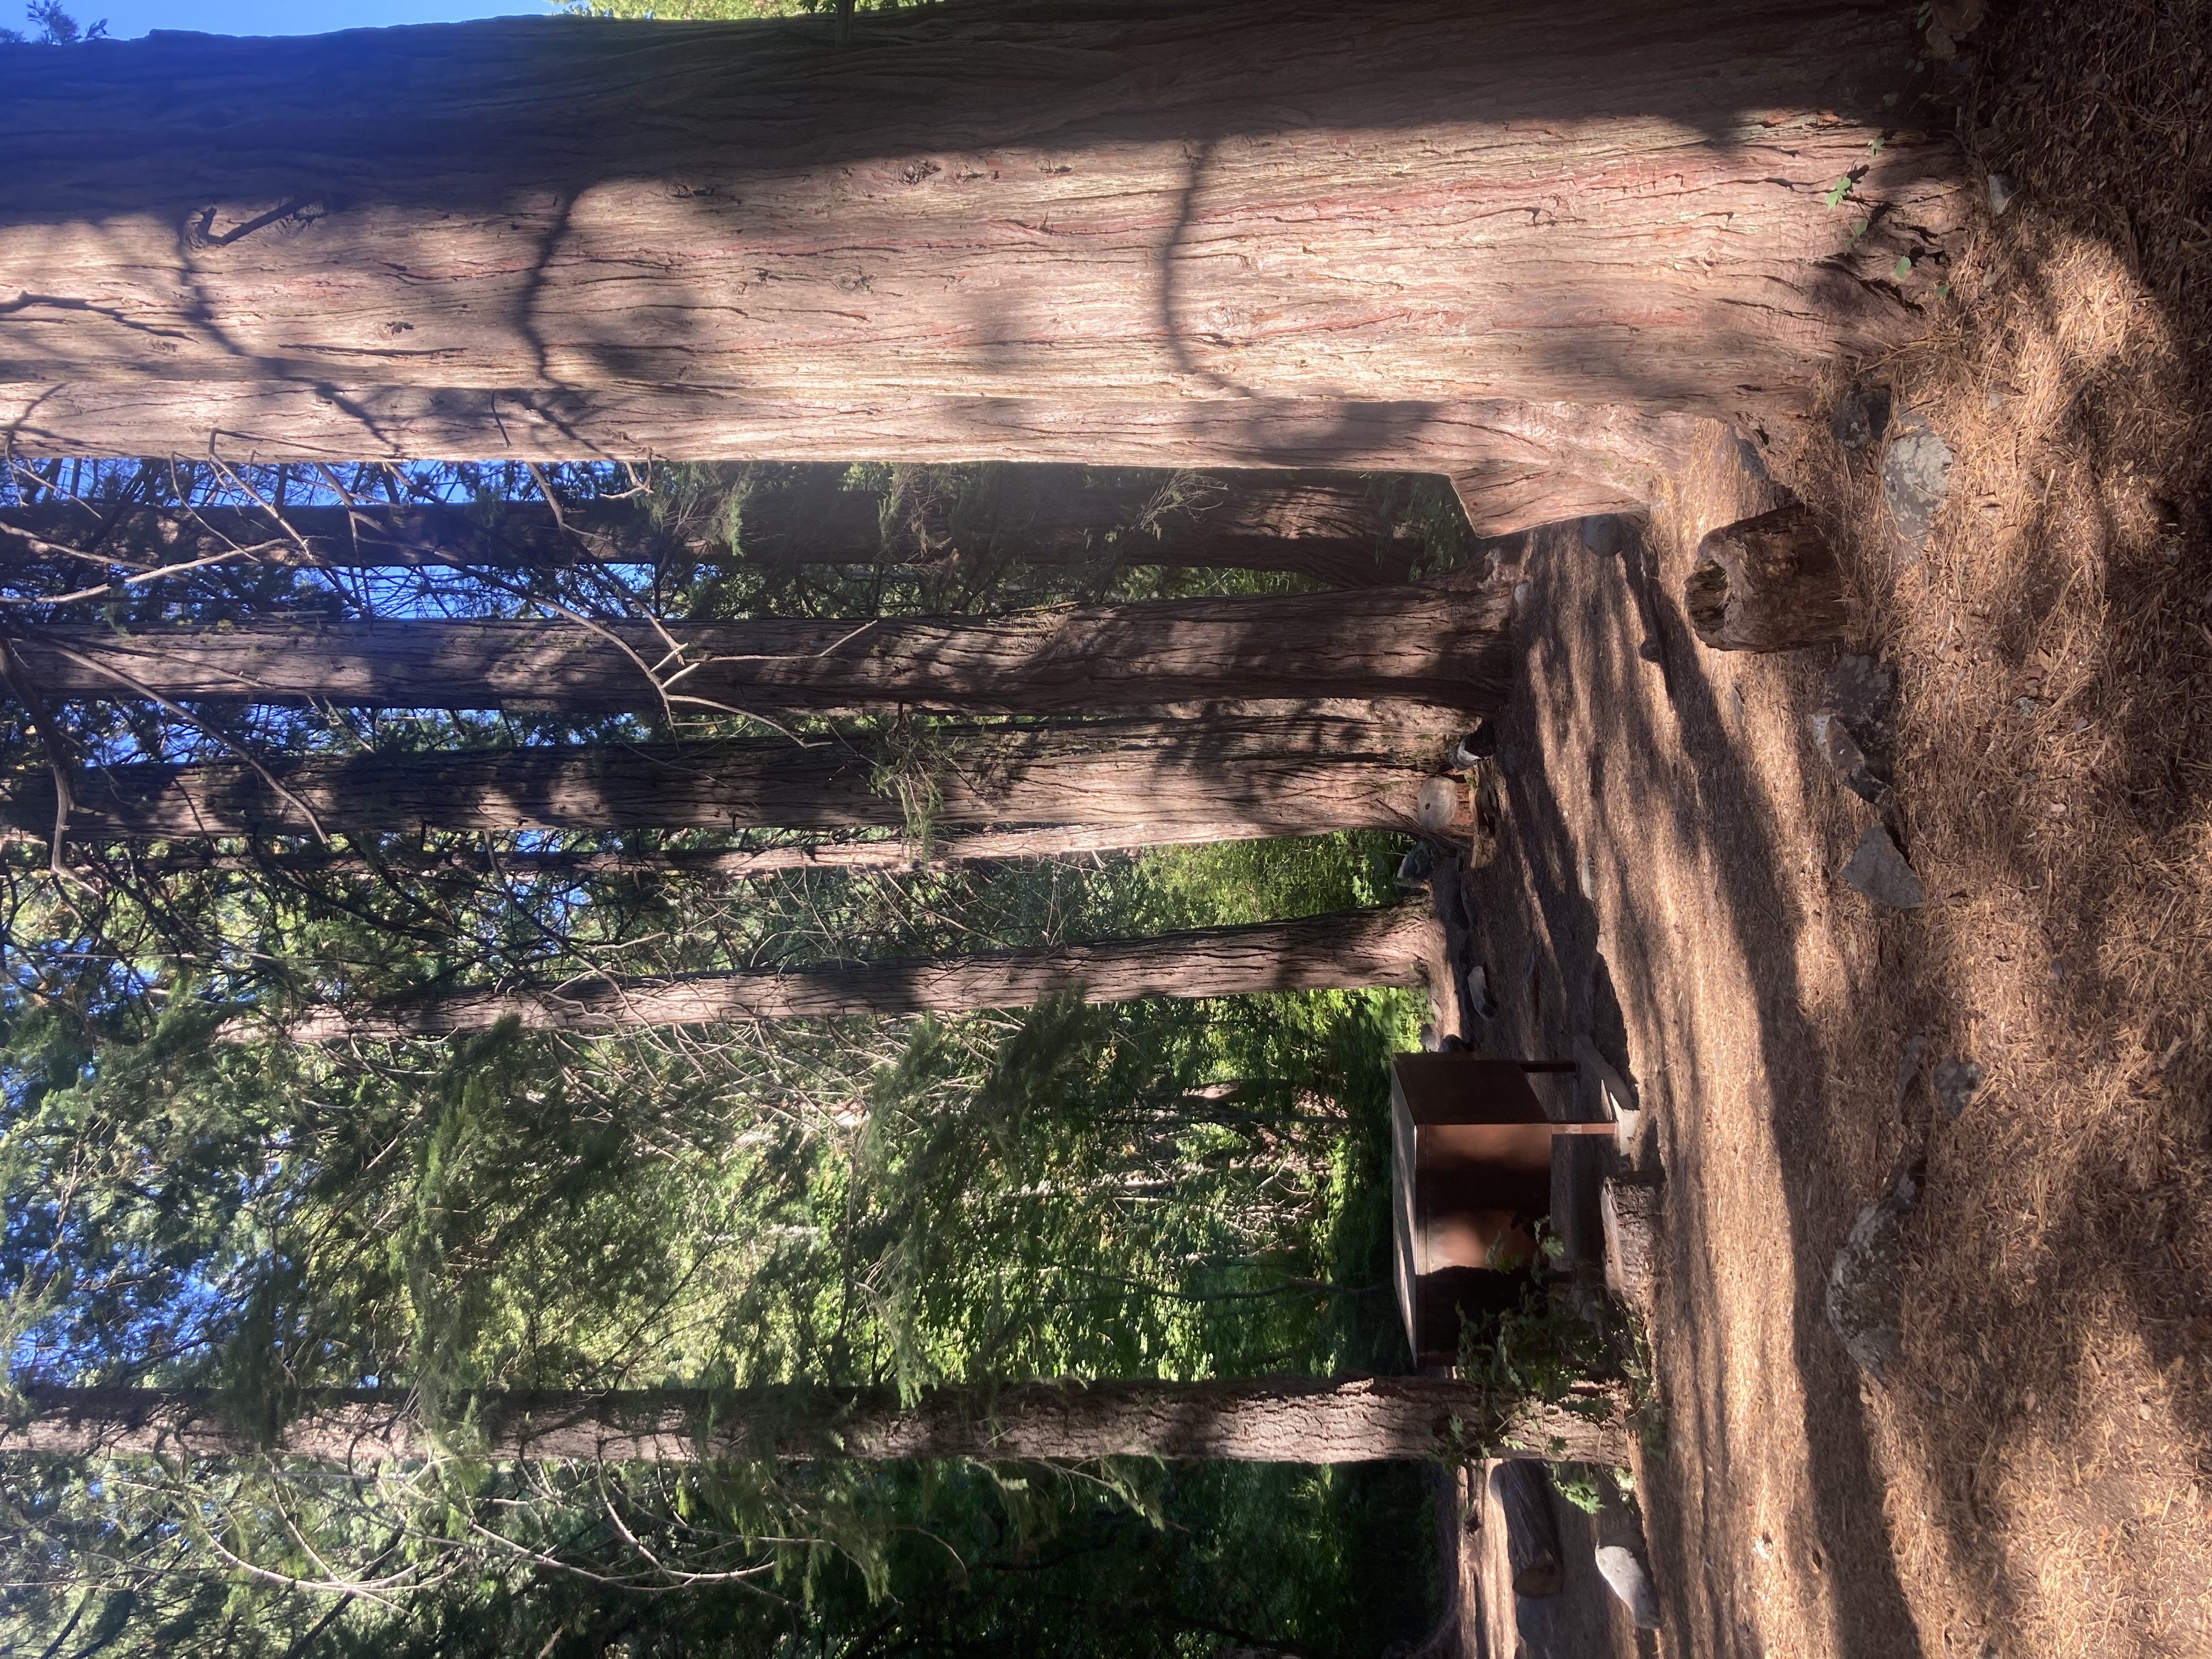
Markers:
point(1956, 1083)
point(1915, 476)
point(1860, 416)
point(2001, 193)
point(1625, 1576)
point(1414, 870)
point(1866, 1292)
point(1862, 693)
point(1878, 870)
point(1478, 993)
point(1602, 535)
point(1476, 747)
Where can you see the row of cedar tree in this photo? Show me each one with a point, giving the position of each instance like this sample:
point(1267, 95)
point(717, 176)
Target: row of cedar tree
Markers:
point(419, 868)
point(313, 762)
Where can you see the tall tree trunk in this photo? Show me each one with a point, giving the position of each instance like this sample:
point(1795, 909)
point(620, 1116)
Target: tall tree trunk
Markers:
point(726, 864)
point(1276, 777)
point(1331, 527)
point(1326, 526)
point(1274, 1419)
point(510, 535)
point(1444, 645)
point(1399, 946)
point(1509, 244)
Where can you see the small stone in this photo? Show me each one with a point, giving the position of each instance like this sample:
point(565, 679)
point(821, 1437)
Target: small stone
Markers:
point(1855, 728)
point(1860, 416)
point(1602, 535)
point(1414, 870)
point(1866, 1293)
point(1478, 993)
point(1632, 1585)
point(1521, 591)
point(2001, 193)
point(1476, 747)
point(1879, 871)
point(1956, 1082)
point(1915, 476)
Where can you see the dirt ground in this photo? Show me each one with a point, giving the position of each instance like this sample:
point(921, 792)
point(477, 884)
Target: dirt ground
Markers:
point(2034, 1473)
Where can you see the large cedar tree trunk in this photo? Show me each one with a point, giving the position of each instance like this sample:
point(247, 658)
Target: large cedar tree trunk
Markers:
point(1272, 1419)
point(1274, 777)
point(1515, 244)
point(1444, 645)
point(1391, 947)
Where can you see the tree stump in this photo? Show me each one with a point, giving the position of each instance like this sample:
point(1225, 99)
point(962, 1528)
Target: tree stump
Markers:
point(1630, 1212)
point(1532, 1535)
point(1769, 583)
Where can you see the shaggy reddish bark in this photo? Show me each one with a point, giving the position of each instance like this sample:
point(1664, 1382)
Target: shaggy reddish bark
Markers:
point(1395, 947)
point(1272, 777)
point(1514, 244)
point(1269, 1420)
point(1445, 646)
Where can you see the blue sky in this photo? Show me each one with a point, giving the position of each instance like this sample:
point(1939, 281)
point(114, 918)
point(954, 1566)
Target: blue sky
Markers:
point(130, 18)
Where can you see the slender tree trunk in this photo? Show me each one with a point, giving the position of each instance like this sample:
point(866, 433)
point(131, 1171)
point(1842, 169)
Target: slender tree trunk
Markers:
point(726, 864)
point(510, 535)
point(1274, 1419)
point(1399, 946)
point(1444, 645)
point(1275, 777)
point(1326, 526)
point(1506, 243)
point(1329, 525)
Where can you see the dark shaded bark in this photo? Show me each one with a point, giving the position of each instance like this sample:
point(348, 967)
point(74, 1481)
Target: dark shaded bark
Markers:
point(507, 536)
point(1391, 947)
point(1330, 526)
point(1235, 235)
point(1443, 646)
point(1286, 1419)
point(1276, 777)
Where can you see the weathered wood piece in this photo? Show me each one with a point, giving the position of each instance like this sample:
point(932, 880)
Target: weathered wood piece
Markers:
point(1630, 1213)
point(1769, 583)
point(1532, 1534)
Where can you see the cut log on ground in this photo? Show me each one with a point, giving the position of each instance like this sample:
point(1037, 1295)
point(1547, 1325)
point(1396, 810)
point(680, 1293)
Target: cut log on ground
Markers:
point(1532, 1534)
point(1770, 583)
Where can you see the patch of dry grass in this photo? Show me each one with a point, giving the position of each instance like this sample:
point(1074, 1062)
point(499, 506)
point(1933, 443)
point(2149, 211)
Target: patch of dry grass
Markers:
point(2047, 1440)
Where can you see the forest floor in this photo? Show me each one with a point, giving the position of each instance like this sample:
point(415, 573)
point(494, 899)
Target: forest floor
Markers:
point(2032, 1473)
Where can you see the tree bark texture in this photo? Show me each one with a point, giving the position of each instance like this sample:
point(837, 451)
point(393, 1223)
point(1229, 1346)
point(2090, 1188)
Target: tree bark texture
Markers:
point(1276, 777)
point(1326, 525)
point(1275, 1419)
point(727, 864)
point(1445, 646)
point(1768, 583)
point(1532, 1533)
point(1398, 946)
point(1506, 244)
